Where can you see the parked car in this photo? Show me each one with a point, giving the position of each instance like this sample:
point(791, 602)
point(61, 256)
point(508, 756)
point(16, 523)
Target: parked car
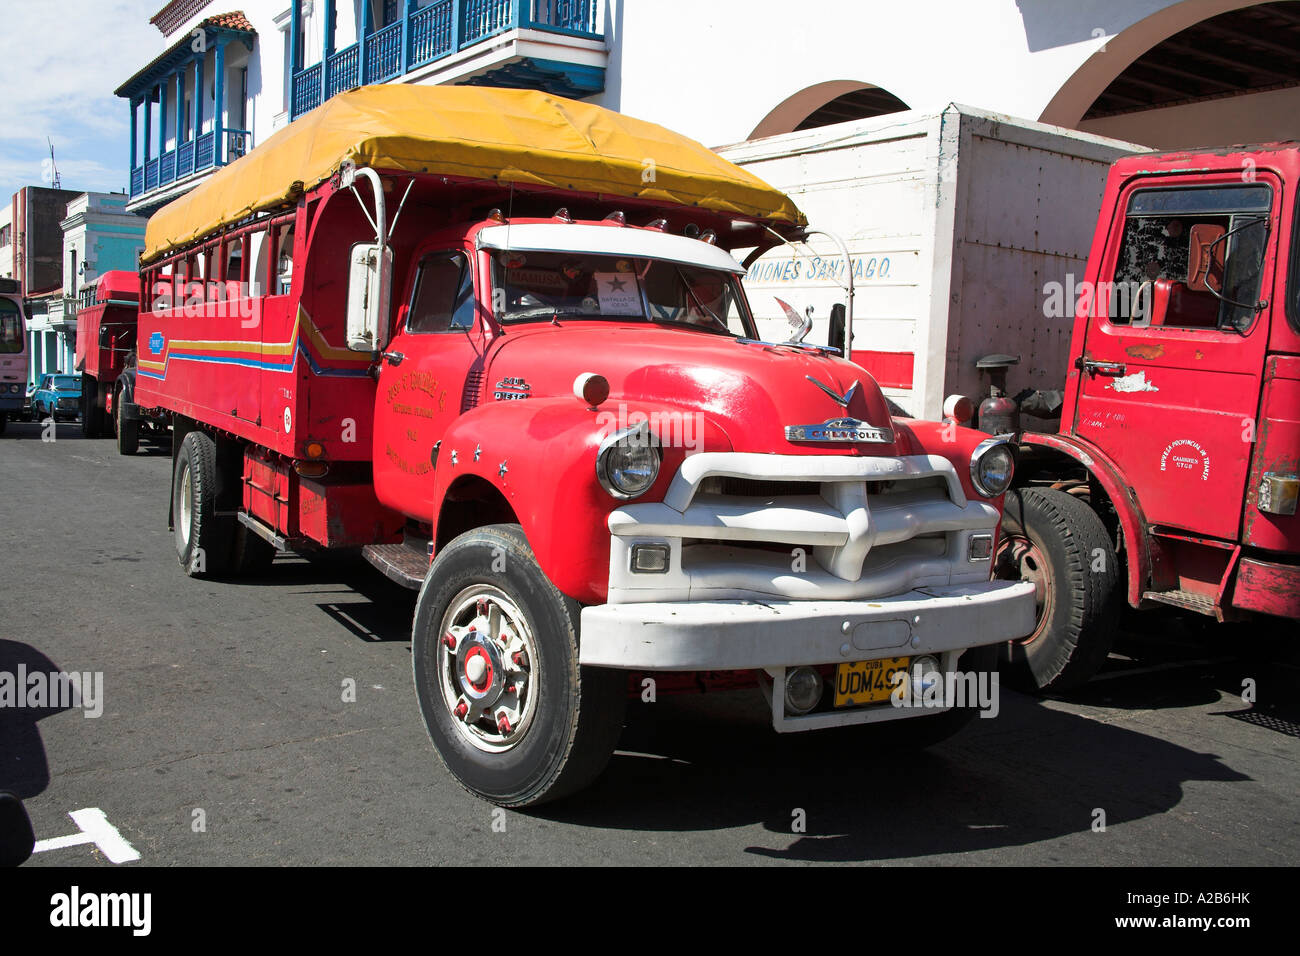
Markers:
point(57, 396)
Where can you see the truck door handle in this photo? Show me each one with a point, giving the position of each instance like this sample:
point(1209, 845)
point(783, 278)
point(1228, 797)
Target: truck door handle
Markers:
point(1100, 368)
point(394, 358)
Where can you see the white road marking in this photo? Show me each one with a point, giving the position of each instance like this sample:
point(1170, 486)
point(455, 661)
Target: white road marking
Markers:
point(95, 829)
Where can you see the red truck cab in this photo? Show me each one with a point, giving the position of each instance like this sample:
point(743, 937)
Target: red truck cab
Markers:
point(545, 407)
point(1179, 447)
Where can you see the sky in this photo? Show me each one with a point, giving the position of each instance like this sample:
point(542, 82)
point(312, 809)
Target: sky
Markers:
point(60, 61)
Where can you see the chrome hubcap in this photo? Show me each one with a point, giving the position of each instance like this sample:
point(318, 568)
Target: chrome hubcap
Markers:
point(486, 668)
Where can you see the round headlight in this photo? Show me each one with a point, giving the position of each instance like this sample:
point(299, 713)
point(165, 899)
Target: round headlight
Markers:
point(628, 462)
point(992, 467)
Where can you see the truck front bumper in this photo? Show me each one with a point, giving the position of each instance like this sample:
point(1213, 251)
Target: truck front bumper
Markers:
point(743, 635)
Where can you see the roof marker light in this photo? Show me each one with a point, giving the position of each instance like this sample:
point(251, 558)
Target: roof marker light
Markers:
point(617, 218)
point(562, 214)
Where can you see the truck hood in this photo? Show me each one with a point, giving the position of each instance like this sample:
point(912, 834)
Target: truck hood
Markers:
point(748, 392)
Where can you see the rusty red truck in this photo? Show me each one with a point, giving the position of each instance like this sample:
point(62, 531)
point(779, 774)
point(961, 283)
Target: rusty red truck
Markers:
point(1173, 478)
point(1156, 424)
point(497, 339)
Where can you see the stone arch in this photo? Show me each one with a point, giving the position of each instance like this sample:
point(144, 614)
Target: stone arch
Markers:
point(851, 98)
point(1097, 75)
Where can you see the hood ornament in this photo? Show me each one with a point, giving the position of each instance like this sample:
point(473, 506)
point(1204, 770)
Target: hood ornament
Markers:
point(839, 429)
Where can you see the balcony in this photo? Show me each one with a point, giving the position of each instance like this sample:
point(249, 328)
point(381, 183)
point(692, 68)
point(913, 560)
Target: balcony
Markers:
point(551, 45)
point(189, 160)
point(185, 136)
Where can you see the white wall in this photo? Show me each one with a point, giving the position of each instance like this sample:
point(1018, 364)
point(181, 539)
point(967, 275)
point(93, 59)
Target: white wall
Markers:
point(1254, 118)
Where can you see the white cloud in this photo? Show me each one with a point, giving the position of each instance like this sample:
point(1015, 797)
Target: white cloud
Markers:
point(59, 64)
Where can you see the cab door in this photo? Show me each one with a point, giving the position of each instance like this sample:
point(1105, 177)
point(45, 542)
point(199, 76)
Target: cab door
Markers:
point(1169, 379)
point(428, 378)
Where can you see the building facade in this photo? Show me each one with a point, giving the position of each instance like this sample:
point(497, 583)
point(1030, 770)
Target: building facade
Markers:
point(1167, 73)
point(56, 242)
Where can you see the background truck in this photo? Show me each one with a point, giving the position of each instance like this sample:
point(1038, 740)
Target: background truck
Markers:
point(523, 376)
point(968, 231)
point(13, 352)
point(1160, 461)
point(106, 341)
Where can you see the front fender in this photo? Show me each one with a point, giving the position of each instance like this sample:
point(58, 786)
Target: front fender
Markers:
point(953, 442)
point(540, 454)
point(1137, 542)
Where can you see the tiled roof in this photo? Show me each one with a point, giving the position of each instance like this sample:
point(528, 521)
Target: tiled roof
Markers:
point(231, 21)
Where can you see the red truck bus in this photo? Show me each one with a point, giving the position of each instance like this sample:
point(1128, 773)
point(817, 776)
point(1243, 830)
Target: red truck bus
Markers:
point(13, 352)
point(497, 339)
point(105, 357)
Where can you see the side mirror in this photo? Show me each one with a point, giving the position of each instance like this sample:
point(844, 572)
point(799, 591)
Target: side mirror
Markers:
point(370, 283)
point(836, 338)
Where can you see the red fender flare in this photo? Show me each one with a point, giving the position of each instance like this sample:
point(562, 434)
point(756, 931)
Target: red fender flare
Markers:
point(1137, 542)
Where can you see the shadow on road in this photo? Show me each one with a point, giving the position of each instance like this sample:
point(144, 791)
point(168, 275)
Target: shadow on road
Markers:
point(24, 769)
point(684, 766)
point(370, 606)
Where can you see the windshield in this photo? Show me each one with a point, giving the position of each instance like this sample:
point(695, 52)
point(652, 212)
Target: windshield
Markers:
point(539, 286)
point(67, 383)
point(11, 327)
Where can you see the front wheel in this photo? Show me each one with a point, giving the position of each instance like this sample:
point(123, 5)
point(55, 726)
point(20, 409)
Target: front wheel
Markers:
point(92, 416)
point(1057, 541)
point(513, 716)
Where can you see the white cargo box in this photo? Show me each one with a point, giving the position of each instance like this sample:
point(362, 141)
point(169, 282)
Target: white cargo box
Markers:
point(958, 225)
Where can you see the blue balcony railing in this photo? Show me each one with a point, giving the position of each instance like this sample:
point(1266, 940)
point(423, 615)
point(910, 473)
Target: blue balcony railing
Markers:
point(188, 158)
point(341, 71)
point(433, 32)
point(384, 53)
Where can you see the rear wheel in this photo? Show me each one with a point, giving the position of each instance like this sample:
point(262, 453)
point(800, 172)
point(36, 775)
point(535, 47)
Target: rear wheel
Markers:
point(511, 713)
point(203, 538)
point(92, 416)
point(1057, 542)
point(128, 429)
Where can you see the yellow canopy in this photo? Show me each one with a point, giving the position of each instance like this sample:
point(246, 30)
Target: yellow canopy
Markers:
point(512, 136)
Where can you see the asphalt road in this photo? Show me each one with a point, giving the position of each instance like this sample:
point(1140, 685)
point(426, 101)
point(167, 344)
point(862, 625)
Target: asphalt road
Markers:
point(225, 738)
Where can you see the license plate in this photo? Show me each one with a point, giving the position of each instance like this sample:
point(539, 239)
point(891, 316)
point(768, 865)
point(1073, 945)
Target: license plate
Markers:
point(867, 682)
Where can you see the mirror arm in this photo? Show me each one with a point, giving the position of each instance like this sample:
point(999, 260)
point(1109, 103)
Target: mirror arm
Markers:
point(1258, 306)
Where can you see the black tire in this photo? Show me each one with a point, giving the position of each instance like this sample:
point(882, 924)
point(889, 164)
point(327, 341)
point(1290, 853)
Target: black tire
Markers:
point(576, 717)
point(91, 415)
point(1059, 542)
point(4, 421)
point(203, 543)
point(126, 429)
point(251, 554)
point(917, 733)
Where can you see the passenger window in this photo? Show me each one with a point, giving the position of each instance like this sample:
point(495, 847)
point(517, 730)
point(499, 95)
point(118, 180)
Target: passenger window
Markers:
point(443, 300)
point(1197, 252)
